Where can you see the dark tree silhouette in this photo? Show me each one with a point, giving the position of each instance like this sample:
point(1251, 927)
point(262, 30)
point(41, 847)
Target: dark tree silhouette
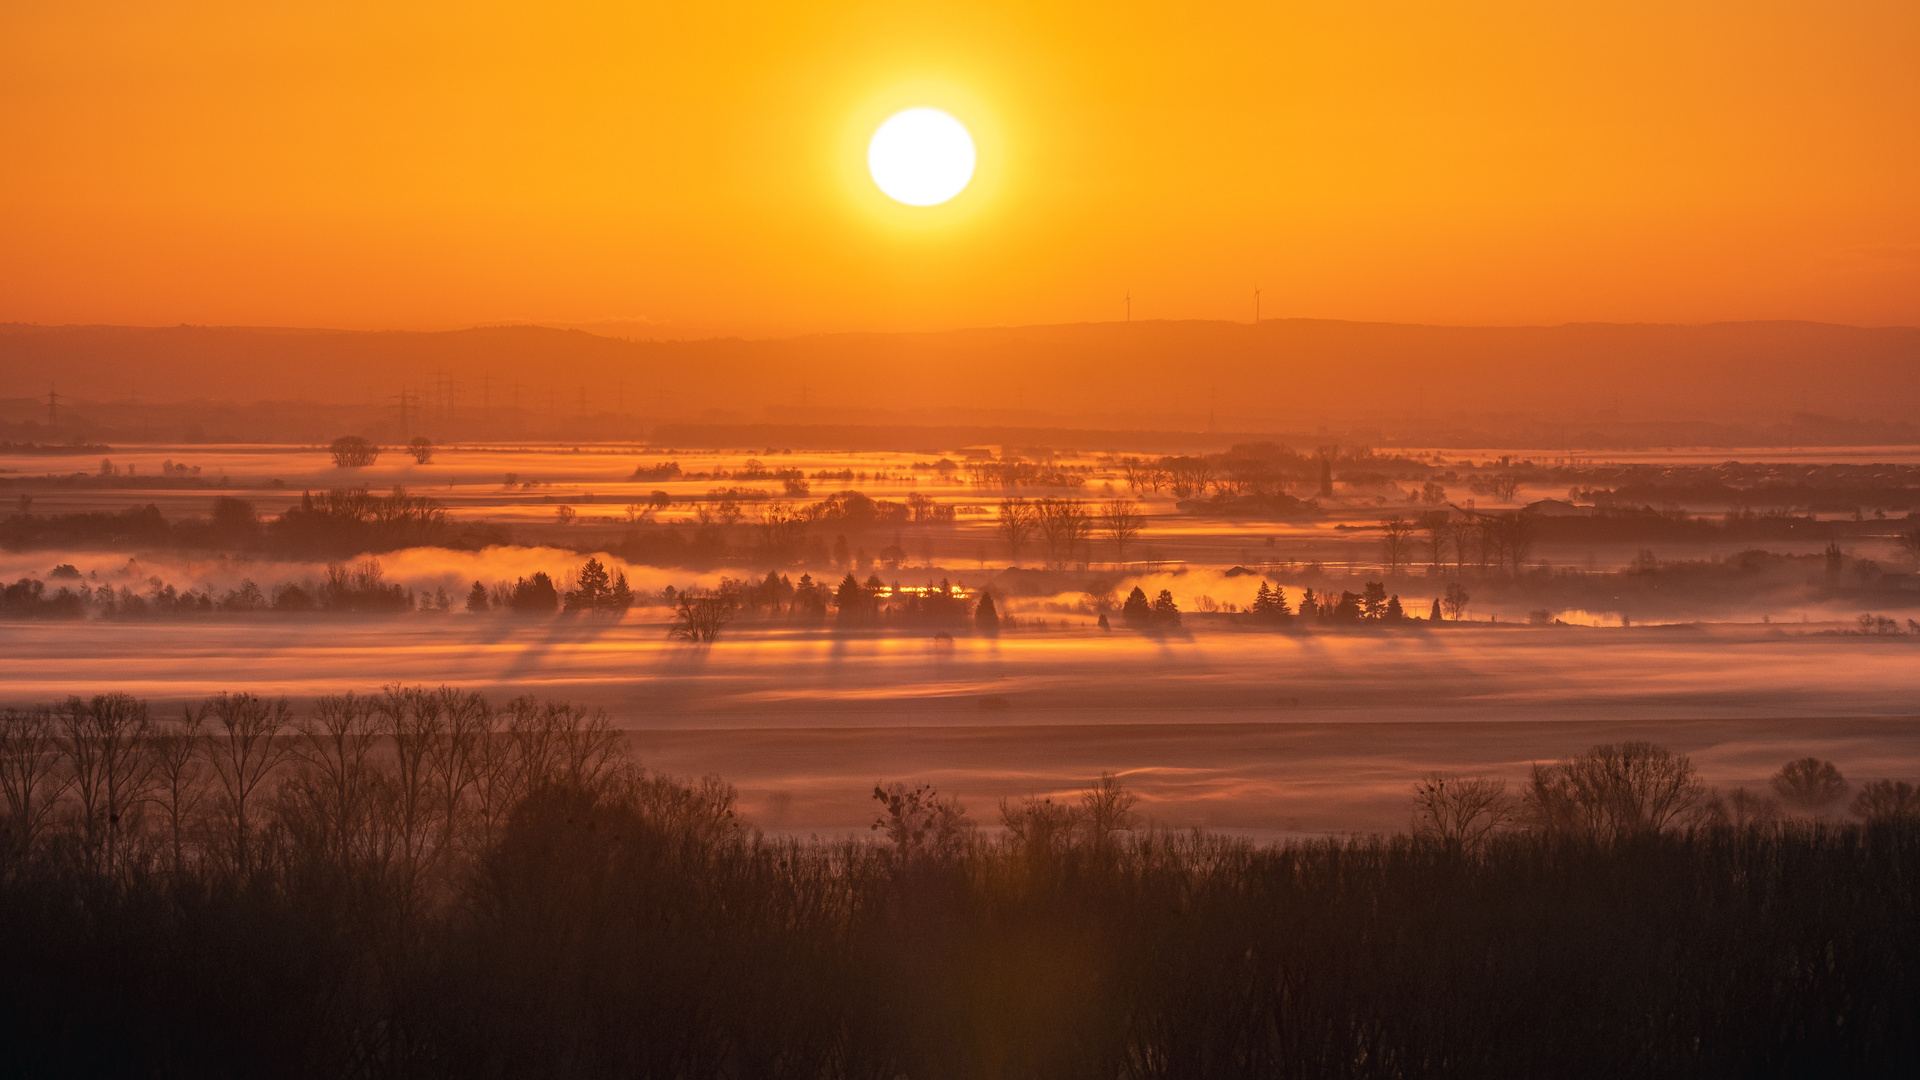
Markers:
point(1461, 811)
point(594, 591)
point(986, 618)
point(1137, 610)
point(855, 602)
point(1373, 601)
point(1122, 522)
point(352, 452)
point(477, 598)
point(1396, 543)
point(1270, 603)
point(700, 616)
point(535, 595)
point(1909, 542)
point(1438, 527)
point(1887, 800)
point(1165, 611)
point(1614, 791)
point(1809, 784)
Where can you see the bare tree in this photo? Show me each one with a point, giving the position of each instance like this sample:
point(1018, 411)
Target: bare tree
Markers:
point(1745, 808)
point(1614, 791)
point(1039, 826)
point(245, 750)
point(591, 746)
point(105, 740)
point(1188, 476)
point(86, 769)
point(1438, 527)
point(1809, 784)
point(411, 717)
point(1909, 542)
point(1455, 602)
point(1508, 539)
point(179, 778)
point(1015, 523)
point(1122, 522)
point(452, 760)
point(1887, 800)
point(352, 452)
point(1065, 525)
point(341, 778)
point(420, 448)
point(920, 823)
point(1396, 542)
point(700, 616)
point(1461, 811)
point(1462, 534)
point(1108, 808)
point(31, 779)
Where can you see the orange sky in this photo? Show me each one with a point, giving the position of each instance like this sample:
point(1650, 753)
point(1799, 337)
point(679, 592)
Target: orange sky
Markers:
point(701, 165)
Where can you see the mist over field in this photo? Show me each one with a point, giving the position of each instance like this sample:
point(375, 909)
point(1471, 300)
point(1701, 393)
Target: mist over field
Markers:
point(1738, 638)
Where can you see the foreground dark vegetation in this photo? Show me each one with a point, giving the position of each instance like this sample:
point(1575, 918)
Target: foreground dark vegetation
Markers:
point(423, 883)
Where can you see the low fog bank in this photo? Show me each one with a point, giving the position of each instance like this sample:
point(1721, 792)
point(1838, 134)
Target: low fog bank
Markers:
point(1269, 732)
point(1266, 781)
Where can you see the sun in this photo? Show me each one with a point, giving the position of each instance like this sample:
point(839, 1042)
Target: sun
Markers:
point(921, 157)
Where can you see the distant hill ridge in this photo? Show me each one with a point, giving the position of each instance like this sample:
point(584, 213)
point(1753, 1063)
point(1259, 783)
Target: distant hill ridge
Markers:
point(1284, 374)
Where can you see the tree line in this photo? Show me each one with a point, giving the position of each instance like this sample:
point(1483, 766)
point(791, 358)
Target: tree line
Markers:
point(339, 522)
point(429, 882)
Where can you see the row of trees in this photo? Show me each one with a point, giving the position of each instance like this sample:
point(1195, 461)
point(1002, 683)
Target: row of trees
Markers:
point(402, 781)
point(357, 587)
point(701, 614)
point(594, 591)
point(1486, 541)
point(1262, 470)
point(338, 523)
point(430, 883)
point(1067, 527)
point(356, 452)
point(1620, 791)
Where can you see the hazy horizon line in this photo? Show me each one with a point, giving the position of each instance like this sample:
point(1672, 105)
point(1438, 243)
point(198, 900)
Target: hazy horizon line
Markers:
point(588, 327)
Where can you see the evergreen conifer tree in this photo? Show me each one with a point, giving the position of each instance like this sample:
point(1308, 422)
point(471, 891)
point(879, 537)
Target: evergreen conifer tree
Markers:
point(1165, 611)
point(986, 618)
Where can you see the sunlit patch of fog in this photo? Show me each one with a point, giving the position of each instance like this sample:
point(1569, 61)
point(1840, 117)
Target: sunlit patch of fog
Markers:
point(422, 569)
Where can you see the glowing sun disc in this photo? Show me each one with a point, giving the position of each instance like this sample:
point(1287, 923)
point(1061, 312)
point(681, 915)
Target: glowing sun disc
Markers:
point(921, 157)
